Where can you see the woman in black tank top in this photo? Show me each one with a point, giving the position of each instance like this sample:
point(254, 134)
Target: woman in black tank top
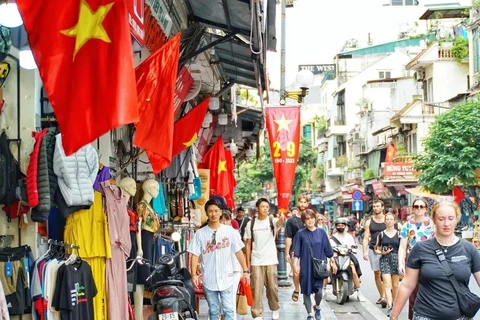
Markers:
point(387, 244)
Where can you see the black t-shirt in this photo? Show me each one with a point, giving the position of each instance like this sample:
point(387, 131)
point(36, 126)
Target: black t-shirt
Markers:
point(436, 298)
point(242, 223)
point(291, 228)
point(385, 241)
point(74, 292)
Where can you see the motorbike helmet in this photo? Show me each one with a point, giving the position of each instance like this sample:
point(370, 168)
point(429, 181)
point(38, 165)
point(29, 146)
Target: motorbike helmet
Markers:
point(341, 220)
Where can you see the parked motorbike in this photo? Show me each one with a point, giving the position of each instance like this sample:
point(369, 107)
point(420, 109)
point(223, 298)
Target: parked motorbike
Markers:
point(342, 281)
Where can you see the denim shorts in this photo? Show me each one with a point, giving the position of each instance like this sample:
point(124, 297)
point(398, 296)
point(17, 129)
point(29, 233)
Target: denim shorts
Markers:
point(416, 316)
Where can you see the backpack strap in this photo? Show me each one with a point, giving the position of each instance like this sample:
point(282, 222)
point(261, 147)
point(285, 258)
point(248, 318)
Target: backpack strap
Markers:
point(272, 227)
point(336, 241)
point(252, 223)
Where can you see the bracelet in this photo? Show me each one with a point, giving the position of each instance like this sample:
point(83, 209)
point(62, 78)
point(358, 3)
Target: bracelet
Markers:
point(246, 271)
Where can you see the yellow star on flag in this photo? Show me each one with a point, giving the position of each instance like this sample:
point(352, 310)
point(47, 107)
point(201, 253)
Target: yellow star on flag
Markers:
point(191, 142)
point(89, 26)
point(222, 166)
point(283, 123)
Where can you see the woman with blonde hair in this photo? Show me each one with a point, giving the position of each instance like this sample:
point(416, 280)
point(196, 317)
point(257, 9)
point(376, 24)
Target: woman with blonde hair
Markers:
point(437, 298)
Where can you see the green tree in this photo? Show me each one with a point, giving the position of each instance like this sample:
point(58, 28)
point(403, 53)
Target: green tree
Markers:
point(452, 149)
point(248, 181)
point(307, 159)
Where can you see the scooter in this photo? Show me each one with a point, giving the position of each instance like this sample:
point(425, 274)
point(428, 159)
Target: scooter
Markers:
point(342, 281)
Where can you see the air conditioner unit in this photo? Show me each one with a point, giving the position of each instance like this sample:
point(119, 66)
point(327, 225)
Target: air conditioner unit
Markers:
point(421, 75)
point(406, 127)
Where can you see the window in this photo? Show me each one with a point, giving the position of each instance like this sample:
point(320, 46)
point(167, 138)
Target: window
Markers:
point(397, 2)
point(403, 2)
point(307, 131)
point(384, 74)
point(476, 50)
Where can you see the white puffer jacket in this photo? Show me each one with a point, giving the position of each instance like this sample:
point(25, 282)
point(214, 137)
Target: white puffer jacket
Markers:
point(76, 173)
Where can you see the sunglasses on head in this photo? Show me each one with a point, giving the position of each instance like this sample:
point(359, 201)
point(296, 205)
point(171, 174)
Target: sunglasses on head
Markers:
point(214, 238)
point(419, 206)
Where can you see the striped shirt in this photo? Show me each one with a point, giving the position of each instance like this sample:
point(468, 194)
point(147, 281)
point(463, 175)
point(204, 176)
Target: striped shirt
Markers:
point(216, 260)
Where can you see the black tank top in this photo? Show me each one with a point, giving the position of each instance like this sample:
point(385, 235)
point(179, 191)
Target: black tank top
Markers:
point(386, 241)
point(375, 229)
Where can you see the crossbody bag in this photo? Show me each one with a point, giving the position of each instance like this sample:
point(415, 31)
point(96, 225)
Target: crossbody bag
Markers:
point(319, 266)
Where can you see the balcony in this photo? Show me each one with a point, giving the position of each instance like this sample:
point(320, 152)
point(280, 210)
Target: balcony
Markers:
point(339, 127)
point(336, 167)
point(322, 144)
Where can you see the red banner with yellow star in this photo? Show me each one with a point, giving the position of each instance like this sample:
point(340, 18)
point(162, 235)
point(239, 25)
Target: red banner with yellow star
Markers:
point(83, 51)
point(216, 160)
point(283, 125)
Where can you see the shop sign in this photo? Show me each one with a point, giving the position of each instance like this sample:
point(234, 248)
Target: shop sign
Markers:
point(136, 14)
point(204, 175)
point(317, 68)
point(378, 187)
point(184, 82)
point(160, 13)
point(398, 169)
point(154, 36)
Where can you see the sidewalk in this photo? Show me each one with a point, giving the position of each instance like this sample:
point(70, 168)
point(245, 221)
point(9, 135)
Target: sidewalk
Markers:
point(288, 309)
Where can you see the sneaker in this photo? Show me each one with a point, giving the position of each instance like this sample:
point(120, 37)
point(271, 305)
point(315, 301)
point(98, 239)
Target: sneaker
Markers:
point(310, 318)
point(318, 314)
point(359, 296)
point(258, 318)
point(275, 315)
point(389, 311)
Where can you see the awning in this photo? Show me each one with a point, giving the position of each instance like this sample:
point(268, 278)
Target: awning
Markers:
point(332, 195)
point(420, 192)
point(459, 12)
point(238, 63)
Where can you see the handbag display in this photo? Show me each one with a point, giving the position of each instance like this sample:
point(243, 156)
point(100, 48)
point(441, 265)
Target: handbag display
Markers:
point(319, 266)
point(468, 302)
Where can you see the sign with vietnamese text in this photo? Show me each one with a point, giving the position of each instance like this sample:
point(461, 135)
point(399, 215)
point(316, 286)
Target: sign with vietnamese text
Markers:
point(378, 187)
point(398, 169)
point(160, 13)
point(283, 125)
point(136, 15)
point(317, 68)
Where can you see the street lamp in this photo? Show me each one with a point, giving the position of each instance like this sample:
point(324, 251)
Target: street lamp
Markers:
point(304, 80)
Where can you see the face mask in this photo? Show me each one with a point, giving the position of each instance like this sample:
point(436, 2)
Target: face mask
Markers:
point(340, 230)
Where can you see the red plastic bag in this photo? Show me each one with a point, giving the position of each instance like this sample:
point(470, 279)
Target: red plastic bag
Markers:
point(247, 291)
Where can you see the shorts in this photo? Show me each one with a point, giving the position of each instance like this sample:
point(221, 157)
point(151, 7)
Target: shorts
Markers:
point(389, 264)
point(374, 260)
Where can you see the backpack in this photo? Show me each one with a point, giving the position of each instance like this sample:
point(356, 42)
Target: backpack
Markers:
point(10, 173)
point(271, 226)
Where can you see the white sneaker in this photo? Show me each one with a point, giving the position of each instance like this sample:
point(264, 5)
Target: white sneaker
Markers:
point(258, 318)
point(359, 296)
point(275, 315)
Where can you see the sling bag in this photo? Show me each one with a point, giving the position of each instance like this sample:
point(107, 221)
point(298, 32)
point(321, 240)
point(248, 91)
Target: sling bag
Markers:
point(319, 266)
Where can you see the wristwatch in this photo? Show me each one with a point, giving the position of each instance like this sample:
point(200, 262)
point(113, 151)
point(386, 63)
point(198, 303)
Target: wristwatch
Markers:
point(246, 271)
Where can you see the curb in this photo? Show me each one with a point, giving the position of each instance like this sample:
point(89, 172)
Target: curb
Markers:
point(372, 309)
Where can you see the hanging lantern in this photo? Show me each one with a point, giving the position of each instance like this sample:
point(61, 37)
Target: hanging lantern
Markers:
point(233, 148)
point(9, 15)
point(214, 104)
point(222, 119)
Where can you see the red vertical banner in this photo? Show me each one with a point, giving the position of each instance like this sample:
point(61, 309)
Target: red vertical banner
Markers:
point(283, 125)
point(136, 18)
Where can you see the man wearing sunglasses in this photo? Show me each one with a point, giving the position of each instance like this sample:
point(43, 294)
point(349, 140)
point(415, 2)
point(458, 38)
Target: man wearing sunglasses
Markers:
point(215, 243)
point(419, 228)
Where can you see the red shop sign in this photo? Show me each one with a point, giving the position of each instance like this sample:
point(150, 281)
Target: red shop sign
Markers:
point(136, 15)
point(378, 187)
point(398, 169)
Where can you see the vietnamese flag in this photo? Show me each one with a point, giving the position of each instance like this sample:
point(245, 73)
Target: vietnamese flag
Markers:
point(156, 84)
point(185, 130)
point(391, 153)
point(216, 160)
point(231, 179)
point(83, 51)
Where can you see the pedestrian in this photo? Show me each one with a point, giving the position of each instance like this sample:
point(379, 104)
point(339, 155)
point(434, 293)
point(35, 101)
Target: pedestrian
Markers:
point(311, 241)
point(437, 298)
point(215, 243)
point(294, 224)
point(262, 258)
point(242, 220)
point(226, 219)
point(321, 222)
point(417, 229)
point(373, 227)
point(388, 242)
point(343, 238)
point(352, 224)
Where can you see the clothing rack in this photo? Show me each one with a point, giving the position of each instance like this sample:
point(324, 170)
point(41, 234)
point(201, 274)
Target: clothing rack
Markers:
point(63, 244)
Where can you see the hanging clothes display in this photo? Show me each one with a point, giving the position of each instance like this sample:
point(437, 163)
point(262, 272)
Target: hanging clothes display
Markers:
point(133, 227)
point(150, 226)
point(119, 231)
point(88, 229)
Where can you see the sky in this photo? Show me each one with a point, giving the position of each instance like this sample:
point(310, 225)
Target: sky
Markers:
point(318, 29)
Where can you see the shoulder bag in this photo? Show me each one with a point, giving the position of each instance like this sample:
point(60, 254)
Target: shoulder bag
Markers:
point(468, 302)
point(319, 266)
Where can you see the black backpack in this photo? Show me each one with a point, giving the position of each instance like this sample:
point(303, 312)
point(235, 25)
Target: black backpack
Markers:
point(271, 226)
point(10, 173)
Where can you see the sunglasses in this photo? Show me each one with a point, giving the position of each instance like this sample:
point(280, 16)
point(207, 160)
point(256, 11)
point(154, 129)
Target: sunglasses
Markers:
point(419, 206)
point(214, 238)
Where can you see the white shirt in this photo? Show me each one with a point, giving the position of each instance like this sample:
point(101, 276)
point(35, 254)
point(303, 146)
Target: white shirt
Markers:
point(345, 239)
point(216, 263)
point(264, 250)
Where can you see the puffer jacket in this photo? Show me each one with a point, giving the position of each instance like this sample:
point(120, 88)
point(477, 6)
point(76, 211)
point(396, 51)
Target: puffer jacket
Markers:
point(76, 173)
point(47, 179)
point(32, 170)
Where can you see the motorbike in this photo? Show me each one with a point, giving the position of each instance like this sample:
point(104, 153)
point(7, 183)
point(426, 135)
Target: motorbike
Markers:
point(342, 281)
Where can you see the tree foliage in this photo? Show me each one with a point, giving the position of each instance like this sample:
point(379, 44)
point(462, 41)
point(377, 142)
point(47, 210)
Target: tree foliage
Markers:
point(452, 149)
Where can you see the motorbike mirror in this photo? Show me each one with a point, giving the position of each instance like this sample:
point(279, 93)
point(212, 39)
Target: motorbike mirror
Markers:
point(176, 236)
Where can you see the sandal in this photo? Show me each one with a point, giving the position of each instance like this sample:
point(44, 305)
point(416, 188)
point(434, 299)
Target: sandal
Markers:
point(383, 303)
point(295, 296)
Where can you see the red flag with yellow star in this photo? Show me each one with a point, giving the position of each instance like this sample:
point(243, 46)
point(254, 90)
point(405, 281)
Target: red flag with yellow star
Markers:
point(391, 153)
point(185, 130)
point(283, 125)
point(84, 55)
point(215, 159)
point(156, 84)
